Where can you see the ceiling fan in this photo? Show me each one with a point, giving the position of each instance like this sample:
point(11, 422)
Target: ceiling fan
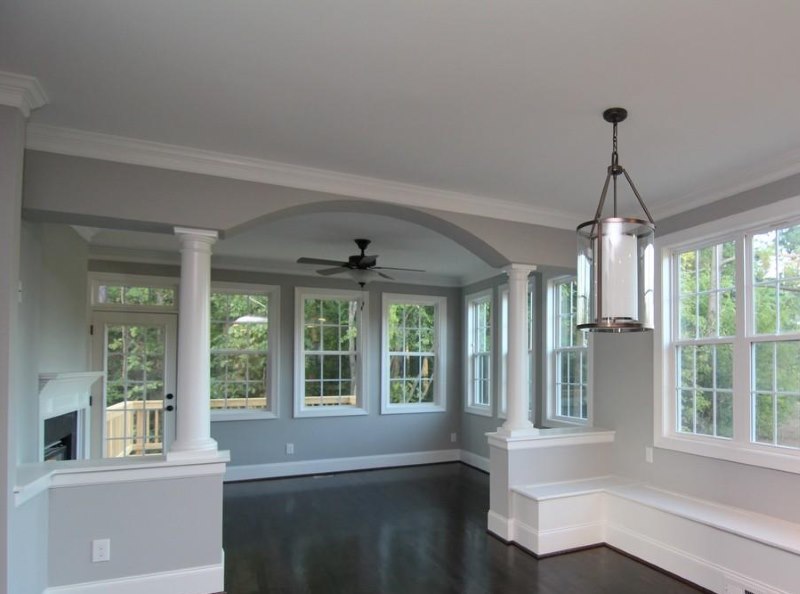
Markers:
point(361, 267)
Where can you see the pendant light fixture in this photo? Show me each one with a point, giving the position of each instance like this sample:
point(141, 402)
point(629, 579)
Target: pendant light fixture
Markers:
point(615, 259)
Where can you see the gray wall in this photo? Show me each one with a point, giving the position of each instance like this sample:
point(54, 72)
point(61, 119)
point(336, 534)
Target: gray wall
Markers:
point(64, 300)
point(13, 382)
point(264, 441)
point(155, 525)
point(29, 553)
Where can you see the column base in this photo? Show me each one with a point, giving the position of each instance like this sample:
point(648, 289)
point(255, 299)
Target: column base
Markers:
point(193, 449)
point(522, 430)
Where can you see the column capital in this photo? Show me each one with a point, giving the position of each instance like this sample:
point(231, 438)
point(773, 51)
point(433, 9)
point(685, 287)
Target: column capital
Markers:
point(20, 91)
point(516, 269)
point(208, 236)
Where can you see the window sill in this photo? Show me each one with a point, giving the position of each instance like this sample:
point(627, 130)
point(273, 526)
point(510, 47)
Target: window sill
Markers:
point(242, 415)
point(401, 409)
point(481, 411)
point(754, 455)
point(341, 411)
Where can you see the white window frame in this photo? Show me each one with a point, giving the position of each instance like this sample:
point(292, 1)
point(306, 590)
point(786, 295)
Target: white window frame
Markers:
point(362, 405)
point(739, 448)
point(469, 403)
point(439, 403)
point(552, 417)
point(272, 293)
point(502, 409)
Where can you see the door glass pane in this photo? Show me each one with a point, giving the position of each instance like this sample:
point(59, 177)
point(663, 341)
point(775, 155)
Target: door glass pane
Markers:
point(134, 396)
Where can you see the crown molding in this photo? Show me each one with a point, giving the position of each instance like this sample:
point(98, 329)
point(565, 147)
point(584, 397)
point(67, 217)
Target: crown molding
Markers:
point(748, 178)
point(94, 145)
point(20, 91)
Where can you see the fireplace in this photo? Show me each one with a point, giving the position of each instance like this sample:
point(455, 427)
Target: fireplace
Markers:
point(60, 437)
point(64, 400)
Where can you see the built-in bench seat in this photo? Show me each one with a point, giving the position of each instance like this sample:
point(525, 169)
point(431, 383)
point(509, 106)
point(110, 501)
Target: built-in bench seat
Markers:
point(722, 548)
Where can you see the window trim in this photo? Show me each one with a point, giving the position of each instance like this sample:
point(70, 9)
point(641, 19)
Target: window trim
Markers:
point(664, 434)
point(298, 392)
point(469, 407)
point(439, 403)
point(273, 293)
point(551, 405)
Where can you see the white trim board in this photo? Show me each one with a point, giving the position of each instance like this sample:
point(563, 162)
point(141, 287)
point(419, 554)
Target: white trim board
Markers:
point(194, 580)
point(306, 467)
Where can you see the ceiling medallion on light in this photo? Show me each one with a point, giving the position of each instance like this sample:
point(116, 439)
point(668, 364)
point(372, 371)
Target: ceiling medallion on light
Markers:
point(615, 259)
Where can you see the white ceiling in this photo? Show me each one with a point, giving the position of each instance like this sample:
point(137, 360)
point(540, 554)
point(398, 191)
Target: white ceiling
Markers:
point(500, 100)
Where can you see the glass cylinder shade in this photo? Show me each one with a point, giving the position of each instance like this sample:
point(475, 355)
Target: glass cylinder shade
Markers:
point(615, 275)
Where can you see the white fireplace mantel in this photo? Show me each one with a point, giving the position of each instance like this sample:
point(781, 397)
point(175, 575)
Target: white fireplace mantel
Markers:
point(62, 393)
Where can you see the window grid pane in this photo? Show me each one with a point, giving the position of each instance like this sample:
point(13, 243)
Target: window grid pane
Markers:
point(239, 350)
point(412, 357)
point(775, 394)
point(570, 386)
point(480, 355)
point(139, 295)
point(330, 351)
point(705, 310)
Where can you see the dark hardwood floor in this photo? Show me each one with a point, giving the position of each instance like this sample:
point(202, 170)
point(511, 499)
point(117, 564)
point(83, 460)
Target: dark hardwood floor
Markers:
point(417, 530)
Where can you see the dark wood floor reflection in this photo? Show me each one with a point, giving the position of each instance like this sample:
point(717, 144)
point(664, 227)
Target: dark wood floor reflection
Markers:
point(417, 530)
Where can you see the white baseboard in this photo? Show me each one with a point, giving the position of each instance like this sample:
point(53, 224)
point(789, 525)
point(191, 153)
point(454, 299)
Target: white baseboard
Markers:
point(562, 539)
point(500, 526)
point(475, 460)
point(195, 580)
point(304, 467)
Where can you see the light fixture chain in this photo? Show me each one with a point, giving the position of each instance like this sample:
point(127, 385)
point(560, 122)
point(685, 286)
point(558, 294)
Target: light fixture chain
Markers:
point(614, 166)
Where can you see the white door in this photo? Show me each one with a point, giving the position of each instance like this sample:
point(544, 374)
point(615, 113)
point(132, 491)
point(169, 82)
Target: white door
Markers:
point(133, 410)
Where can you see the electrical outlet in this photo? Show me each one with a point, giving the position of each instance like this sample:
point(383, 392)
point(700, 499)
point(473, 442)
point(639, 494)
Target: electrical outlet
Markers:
point(648, 455)
point(289, 449)
point(101, 550)
point(453, 437)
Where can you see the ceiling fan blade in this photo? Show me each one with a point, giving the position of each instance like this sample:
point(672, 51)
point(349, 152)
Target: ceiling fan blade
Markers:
point(385, 276)
point(392, 268)
point(320, 262)
point(331, 271)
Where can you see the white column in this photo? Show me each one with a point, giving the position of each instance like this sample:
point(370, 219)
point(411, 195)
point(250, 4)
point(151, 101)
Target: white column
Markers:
point(193, 417)
point(517, 367)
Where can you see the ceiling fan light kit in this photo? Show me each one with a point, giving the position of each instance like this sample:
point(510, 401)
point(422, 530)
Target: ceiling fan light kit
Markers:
point(362, 268)
point(615, 259)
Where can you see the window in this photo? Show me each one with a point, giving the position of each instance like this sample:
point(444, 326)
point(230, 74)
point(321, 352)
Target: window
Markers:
point(479, 353)
point(568, 366)
point(728, 371)
point(413, 374)
point(243, 329)
point(504, 349)
point(133, 292)
point(329, 352)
